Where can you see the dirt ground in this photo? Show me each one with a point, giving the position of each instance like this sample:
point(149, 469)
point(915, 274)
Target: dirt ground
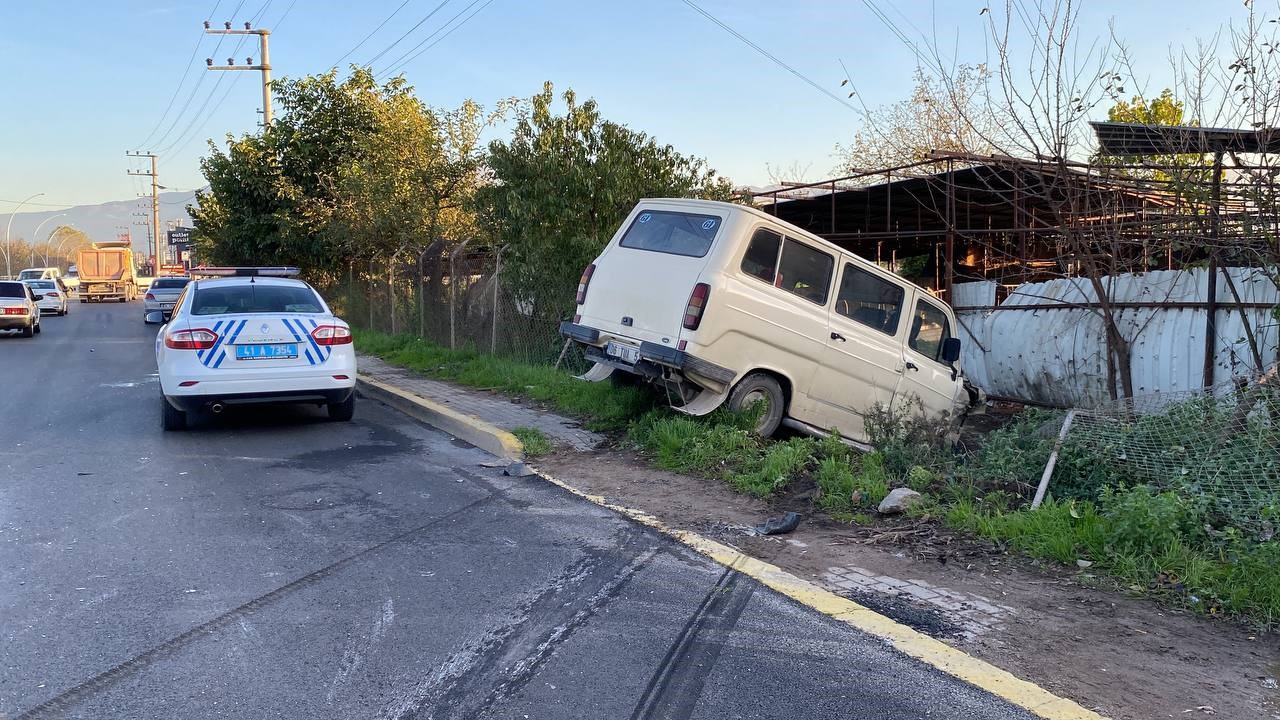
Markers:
point(1125, 657)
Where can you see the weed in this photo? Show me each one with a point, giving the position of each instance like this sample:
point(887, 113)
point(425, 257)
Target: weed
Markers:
point(534, 440)
point(835, 485)
point(781, 462)
point(871, 480)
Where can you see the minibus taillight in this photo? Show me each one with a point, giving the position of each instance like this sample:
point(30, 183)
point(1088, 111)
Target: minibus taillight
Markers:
point(584, 281)
point(697, 303)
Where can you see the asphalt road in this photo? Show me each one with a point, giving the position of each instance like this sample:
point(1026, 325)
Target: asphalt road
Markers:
point(271, 564)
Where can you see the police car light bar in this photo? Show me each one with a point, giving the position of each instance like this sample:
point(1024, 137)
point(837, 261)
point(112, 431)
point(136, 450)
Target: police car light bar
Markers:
point(246, 271)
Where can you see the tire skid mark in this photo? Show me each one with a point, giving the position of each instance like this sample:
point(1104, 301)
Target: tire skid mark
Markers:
point(506, 657)
point(676, 686)
point(57, 706)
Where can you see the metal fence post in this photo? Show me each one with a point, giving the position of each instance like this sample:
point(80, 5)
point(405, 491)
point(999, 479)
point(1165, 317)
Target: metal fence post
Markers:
point(391, 290)
point(497, 283)
point(422, 288)
point(453, 293)
point(371, 303)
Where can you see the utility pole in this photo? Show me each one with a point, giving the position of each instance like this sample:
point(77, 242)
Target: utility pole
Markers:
point(264, 55)
point(155, 203)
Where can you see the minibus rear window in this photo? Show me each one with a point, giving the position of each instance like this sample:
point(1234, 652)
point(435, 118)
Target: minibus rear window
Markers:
point(673, 233)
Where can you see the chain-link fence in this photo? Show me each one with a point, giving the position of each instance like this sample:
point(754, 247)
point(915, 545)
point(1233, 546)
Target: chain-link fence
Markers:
point(459, 296)
point(1220, 448)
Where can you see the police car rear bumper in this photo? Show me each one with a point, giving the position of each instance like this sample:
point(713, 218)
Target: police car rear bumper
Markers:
point(192, 403)
point(317, 389)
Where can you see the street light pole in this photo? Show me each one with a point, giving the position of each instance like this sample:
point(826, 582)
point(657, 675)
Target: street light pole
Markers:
point(61, 242)
point(36, 234)
point(8, 261)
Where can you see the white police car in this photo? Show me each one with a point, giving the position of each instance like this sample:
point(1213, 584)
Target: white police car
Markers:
point(248, 336)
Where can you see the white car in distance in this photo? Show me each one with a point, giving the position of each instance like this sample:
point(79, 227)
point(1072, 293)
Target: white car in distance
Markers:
point(53, 296)
point(252, 336)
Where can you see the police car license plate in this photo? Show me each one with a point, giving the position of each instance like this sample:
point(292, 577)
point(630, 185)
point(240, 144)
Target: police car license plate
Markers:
point(623, 352)
point(267, 352)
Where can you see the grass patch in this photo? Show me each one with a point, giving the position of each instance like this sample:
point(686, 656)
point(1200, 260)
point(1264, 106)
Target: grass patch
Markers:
point(600, 405)
point(535, 441)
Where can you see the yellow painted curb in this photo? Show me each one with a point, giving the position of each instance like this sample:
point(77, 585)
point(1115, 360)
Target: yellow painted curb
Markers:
point(469, 428)
point(954, 662)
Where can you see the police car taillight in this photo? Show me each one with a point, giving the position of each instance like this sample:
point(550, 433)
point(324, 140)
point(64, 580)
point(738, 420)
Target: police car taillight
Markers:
point(331, 335)
point(200, 339)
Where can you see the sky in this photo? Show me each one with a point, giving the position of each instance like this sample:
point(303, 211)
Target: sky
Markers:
point(85, 81)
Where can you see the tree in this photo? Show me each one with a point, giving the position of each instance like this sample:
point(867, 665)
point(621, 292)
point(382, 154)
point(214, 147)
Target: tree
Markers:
point(272, 196)
point(940, 115)
point(562, 183)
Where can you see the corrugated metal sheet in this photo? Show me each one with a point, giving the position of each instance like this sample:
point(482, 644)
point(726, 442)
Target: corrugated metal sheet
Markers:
point(1057, 356)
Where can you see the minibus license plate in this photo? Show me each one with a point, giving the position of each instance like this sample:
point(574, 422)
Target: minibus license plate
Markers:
point(623, 352)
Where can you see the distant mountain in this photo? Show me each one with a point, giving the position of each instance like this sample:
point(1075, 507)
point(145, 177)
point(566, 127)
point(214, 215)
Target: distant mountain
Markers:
point(105, 221)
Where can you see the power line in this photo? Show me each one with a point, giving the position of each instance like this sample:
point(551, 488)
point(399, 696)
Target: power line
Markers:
point(371, 34)
point(184, 139)
point(200, 127)
point(416, 25)
point(190, 63)
point(276, 24)
point(771, 56)
point(397, 65)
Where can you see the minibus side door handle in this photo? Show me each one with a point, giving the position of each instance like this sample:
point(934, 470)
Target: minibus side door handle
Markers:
point(837, 336)
point(912, 366)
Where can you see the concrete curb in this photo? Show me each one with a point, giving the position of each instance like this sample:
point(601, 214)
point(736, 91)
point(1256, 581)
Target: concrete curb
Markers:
point(936, 654)
point(471, 429)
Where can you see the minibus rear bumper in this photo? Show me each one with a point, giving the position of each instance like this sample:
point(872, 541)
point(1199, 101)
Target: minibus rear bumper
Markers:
point(653, 358)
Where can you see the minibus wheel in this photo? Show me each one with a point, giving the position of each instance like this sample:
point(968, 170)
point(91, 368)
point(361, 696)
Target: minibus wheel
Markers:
point(762, 393)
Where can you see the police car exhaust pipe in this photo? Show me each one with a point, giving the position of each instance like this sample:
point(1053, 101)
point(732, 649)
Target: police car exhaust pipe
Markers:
point(216, 408)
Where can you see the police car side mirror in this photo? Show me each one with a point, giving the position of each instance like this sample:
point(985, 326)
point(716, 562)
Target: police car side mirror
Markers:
point(950, 350)
point(37, 298)
point(155, 316)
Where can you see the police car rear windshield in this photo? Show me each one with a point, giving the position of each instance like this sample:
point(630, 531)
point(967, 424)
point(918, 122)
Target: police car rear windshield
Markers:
point(255, 298)
point(42, 284)
point(673, 233)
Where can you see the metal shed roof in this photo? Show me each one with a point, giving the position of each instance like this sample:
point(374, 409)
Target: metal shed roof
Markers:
point(1140, 139)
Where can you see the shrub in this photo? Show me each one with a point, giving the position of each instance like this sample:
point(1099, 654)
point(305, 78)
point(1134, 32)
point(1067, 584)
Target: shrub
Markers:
point(1142, 521)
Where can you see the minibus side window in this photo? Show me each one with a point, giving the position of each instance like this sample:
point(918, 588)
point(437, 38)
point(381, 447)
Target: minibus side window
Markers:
point(870, 299)
point(929, 329)
point(761, 259)
point(805, 271)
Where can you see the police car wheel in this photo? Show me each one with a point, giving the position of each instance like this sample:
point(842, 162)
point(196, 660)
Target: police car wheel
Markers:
point(344, 410)
point(172, 418)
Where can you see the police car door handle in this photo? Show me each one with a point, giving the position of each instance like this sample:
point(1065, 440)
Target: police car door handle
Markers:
point(837, 336)
point(912, 366)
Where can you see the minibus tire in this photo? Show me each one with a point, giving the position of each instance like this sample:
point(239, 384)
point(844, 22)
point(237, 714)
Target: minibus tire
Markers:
point(760, 386)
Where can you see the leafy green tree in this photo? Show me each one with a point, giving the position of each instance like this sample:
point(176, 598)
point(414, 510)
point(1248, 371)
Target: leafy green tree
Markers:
point(273, 195)
point(563, 182)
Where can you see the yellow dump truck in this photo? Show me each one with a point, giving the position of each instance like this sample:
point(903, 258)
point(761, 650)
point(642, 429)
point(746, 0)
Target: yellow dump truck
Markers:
point(107, 272)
